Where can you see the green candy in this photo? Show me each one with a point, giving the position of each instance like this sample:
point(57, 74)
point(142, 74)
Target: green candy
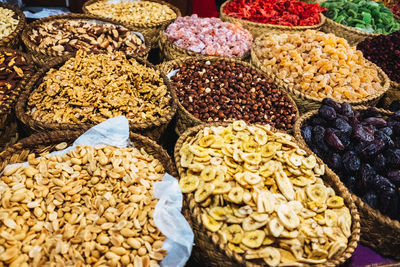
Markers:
point(366, 15)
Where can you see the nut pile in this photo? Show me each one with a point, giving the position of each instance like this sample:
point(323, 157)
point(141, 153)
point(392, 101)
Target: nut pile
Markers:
point(363, 148)
point(222, 90)
point(68, 36)
point(12, 70)
point(318, 64)
point(90, 88)
point(264, 195)
point(8, 22)
point(89, 206)
point(209, 36)
point(133, 12)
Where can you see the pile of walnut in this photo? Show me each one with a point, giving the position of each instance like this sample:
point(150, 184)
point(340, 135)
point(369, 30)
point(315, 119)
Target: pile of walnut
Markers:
point(69, 36)
point(263, 195)
point(8, 22)
point(90, 88)
point(88, 206)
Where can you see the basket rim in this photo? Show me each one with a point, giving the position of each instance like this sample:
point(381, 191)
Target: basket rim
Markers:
point(140, 24)
point(72, 16)
point(164, 41)
point(213, 237)
point(223, 16)
point(183, 60)
point(20, 25)
point(53, 137)
point(20, 108)
point(385, 81)
point(7, 105)
point(383, 219)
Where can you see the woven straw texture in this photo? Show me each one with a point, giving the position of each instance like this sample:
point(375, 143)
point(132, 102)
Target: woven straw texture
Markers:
point(306, 103)
point(377, 231)
point(9, 135)
point(257, 29)
point(7, 104)
point(170, 51)
point(14, 39)
point(211, 252)
point(45, 142)
point(186, 120)
point(42, 56)
point(149, 30)
point(393, 94)
point(153, 129)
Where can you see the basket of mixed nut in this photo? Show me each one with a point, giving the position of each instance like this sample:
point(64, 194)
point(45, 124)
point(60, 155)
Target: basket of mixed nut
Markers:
point(214, 89)
point(89, 206)
point(12, 22)
point(361, 145)
point(256, 197)
point(75, 92)
point(56, 36)
point(15, 68)
point(147, 17)
point(194, 36)
point(313, 65)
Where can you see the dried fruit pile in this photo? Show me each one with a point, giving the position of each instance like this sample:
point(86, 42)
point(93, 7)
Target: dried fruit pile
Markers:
point(222, 90)
point(363, 148)
point(384, 51)
point(366, 15)
point(396, 9)
point(318, 64)
point(209, 36)
point(90, 88)
point(133, 11)
point(278, 12)
point(69, 36)
point(264, 195)
point(12, 70)
point(91, 206)
point(8, 22)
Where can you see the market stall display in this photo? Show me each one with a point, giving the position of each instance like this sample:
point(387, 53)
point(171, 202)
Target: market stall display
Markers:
point(12, 22)
point(358, 19)
point(214, 89)
point(77, 92)
point(147, 17)
point(103, 217)
point(56, 36)
point(194, 36)
point(265, 16)
point(361, 146)
point(315, 65)
point(258, 198)
point(15, 68)
point(384, 50)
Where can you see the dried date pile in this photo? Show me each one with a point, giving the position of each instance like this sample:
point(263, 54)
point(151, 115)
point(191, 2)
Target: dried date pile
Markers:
point(263, 195)
point(12, 70)
point(69, 36)
point(90, 88)
point(363, 148)
point(222, 90)
point(90, 206)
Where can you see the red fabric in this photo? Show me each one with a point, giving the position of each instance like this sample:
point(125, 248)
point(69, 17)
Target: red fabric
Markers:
point(205, 8)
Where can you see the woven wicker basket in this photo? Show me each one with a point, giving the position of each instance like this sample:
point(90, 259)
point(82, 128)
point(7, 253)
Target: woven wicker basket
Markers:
point(170, 51)
point(13, 40)
point(377, 231)
point(210, 251)
point(306, 103)
point(186, 120)
point(43, 56)
point(257, 29)
point(153, 129)
point(45, 142)
point(149, 30)
point(7, 117)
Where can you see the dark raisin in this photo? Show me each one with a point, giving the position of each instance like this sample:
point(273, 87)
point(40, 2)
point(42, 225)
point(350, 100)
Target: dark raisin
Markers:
point(377, 122)
point(332, 140)
point(361, 134)
point(394, 177)
point(318, 121)
point(307, 134)
point(370, 112)
point(371, 198)
point(393, 157)
point(332, 103)
point(379, 163)
point(368, 150)
point(347, 110)
point(334, 161)
point(327, 112)
point(351, 162)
